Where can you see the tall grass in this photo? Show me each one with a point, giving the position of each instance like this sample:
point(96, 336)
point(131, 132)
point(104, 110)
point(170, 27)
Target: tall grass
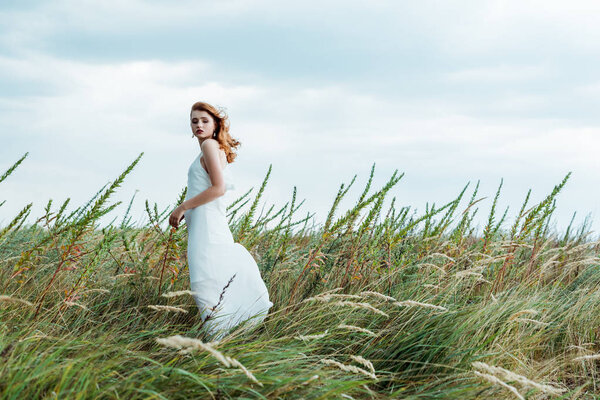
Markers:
point(373, 304)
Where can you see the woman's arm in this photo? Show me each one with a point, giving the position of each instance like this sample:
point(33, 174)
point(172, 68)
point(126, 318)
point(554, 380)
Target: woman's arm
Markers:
point(204, 197)
point(210, 150)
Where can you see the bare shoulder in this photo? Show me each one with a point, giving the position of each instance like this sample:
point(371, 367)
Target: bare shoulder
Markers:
point(212, 149)
point(210, 143)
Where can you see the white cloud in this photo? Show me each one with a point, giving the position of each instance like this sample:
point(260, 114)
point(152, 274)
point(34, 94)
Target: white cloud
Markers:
point(95, 117)
point(501, 26)
point(499, 74)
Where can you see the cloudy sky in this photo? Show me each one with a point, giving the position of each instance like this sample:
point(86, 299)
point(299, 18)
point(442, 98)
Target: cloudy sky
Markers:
point(446, 92)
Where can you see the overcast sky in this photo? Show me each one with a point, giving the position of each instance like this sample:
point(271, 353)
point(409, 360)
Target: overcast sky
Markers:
point(446, 92)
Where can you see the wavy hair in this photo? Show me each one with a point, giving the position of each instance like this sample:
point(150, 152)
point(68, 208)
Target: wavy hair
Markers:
point(226, 142)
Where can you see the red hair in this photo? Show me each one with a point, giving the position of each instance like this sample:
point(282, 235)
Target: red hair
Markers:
point(226, 142)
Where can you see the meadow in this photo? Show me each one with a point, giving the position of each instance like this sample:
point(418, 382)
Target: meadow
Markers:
point(372, 304)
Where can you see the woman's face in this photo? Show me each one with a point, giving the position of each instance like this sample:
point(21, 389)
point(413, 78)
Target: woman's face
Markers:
point(203, 124)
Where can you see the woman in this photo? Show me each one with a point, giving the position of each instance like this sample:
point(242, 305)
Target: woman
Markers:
point(224, 277)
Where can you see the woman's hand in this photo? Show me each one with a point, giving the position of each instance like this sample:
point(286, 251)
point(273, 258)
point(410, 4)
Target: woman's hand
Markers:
point(176, 216)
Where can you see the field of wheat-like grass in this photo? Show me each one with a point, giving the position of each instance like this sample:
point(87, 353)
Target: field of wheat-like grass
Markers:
point(372, 304)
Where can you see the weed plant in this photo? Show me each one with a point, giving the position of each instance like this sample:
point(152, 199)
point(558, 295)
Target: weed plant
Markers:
point(373, 304)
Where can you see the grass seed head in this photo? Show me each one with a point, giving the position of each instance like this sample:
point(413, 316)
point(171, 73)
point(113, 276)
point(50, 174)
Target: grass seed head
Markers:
point(357, 329)
point(187, 345)
point(159, 307)
point(10, 299)
point(72, 303)
point(505, 374)
point(178, 293)
point(590, 357)
point(311, 337)
point(364, 306)
point(412, 303)
point(349, 368)
point(363, 362)
point(494, 380)
point(377, 295)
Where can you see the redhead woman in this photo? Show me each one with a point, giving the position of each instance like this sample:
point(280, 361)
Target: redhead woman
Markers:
point(218, 265)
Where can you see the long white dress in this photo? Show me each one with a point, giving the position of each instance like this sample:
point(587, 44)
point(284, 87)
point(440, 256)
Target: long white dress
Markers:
point(214, 258)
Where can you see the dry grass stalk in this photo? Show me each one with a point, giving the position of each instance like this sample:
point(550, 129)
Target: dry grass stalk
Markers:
point(122, 275)
point(343, 296)
point(430, 286)
point(377, 295)
point(479, 276)
point(533, 321)
point(309, 380)
point(72, 303)
point(14, 300)
point(440, 255)
point(349, 368)
point(364, 362)
point(511, 376)
point(40, 336)
point(178, 293)
point(189, 344)
point(365, 306)
point(496, 381)
point(236, 363)
point(510, 245)
point(580, 346)
point(523, 312)
point(310, 337)
point(583, 262)
point(438, 268)
point(371, 393)
point(469, 272)
point(331, 291)
point(96, 290)
point(590, 357)
point(552, 250)
point(357, 329)
point(332, 296)
point(491, 260)
point(159, 307)
point(581, 246)
point(412, 303)
point(547, 265)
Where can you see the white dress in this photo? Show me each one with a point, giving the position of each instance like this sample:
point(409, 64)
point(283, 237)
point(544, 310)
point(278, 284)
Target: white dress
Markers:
point(214, 258)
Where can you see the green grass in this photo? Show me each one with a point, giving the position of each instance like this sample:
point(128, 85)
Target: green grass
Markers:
point(75, 322)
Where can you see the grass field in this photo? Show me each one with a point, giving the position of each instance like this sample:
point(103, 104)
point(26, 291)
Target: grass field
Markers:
point(375, 303)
